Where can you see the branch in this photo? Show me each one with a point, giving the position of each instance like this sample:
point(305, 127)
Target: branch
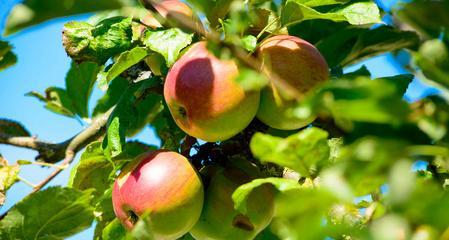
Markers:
point(94, 131)
point(70, 147)
point(54, 152)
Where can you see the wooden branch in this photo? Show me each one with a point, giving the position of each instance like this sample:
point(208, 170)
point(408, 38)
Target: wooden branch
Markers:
point(55, 152)
point(70, 147)
point(75, 144)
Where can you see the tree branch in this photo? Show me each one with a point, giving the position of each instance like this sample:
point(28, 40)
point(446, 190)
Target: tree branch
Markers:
point(69, 147)
point(55, 152)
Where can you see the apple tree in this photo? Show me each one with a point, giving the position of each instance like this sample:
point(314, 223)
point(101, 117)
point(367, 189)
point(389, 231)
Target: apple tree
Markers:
point(265, 133)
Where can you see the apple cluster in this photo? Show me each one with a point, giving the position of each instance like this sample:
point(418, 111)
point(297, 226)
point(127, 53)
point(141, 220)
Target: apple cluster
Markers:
point(163, 188)
point(207, 103)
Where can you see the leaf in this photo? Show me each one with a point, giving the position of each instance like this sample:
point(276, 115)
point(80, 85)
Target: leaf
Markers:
point(316, 3)
point(355, 44)
point(428, 17)
point(360, 100)
point(112, 96)
point(84, 42)
point(92, 171)
point(167, 130)
point(31, 12)
point(131, 115)
point(13, 128)
point(433, 60)
point(8, 176)
point(114, 231)
point(142, 230)
point(124, 61)
point(357, 13)
point(7, 57)
point(57, 100)
point(242, 193)
point(249, 42)
point(168, 43)
point(79, 84)
point(302, 151)
point(54, 213)
point(251, 80)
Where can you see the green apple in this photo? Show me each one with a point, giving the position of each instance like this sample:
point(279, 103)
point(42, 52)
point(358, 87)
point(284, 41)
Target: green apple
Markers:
point(163, 185)
point(204, 98)
point(220, 221)
point(301, 65)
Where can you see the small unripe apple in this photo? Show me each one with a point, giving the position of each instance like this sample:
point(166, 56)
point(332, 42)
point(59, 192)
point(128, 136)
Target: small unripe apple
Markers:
point(163, 185)
point(220, 221)
point(203, 97)
point(301, 65)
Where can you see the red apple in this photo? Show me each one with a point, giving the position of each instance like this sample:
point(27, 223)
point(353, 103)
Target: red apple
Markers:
point(203, 97)
point(164, 185)
point(301, 65)
point(176, 12)
point(220, 221)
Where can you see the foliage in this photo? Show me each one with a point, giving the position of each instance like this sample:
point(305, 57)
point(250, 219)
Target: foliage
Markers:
point(370, 166)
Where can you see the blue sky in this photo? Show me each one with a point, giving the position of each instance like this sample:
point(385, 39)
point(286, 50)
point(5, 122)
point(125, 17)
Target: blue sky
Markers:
point(43, 63)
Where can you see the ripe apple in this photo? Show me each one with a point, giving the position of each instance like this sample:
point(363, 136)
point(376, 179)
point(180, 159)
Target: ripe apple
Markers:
point(203, 97)
point(163, 185)
point(176, 12)
point(220, 221)
point(301, 65)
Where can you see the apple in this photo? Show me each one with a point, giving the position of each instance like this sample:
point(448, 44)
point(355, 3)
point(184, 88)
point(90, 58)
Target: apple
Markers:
point(163, 185)
point(301, 65)
point(203, 97)
point(220, 221)
point(177, 13)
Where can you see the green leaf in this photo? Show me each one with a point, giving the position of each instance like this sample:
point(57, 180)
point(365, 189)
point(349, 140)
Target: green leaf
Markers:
point(355, 44)
point(361, 100)
point(302, 152)
point(84, 42)
point(92, 171)
point(79, 84)
point(317, 3)
point(56, 100)
point(112, 96)
point(433, 60)
point(428, 17)
point(54, 213)
point(167, 130)
point(367, 160)
point(13, 128)
point(8, 176)
point(168, 43)
point(114, 231)
point(131, 114)
point(249, 42)
point(142, 230)
point(242, 193)
point(7, 57)
point(124, 61)
point(357, 13)
point(31, 12)
point(251, 80)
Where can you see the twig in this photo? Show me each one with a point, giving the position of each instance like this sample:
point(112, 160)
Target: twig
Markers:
point(71, 147)
point(54, 152)
point(187, 145)
point(78, 142)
